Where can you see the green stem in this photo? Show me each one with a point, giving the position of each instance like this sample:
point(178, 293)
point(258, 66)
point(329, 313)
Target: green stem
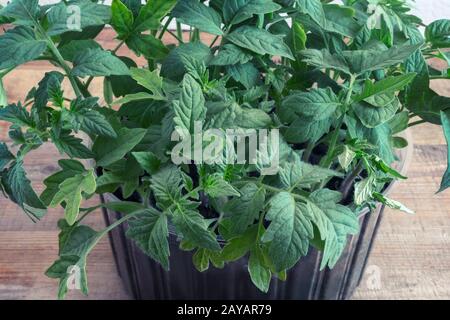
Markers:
point(65, 66)
point(179, 33)
point(214, 41)
point(348, 181)
point(180, 40)
point(328, 160)
point(271, 189)
point(165, 27)
point(308, 151)
point(118, 223)
point(443, 77)
point(412, 124)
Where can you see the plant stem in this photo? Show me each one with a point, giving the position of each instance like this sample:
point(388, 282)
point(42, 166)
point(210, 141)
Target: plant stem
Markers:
point(348, 181)
point(412, 124)
point(273, 189)
point(165, 27)
point(180, 40)
point(179, 33)
point(118, 223)
point(328, 160)
point(443, 77)
point(65, 67)
point(308, 151)
point(214, 41)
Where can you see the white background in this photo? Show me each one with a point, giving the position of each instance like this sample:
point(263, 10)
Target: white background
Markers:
point(428, 10)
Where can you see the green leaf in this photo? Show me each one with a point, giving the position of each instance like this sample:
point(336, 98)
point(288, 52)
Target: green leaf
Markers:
point(334, 221)
point(260, 41)
point(75, 245)
point(399, 122)
point(387, 85)
point(445, 118)
point(198, 15)
point(358, 62)
point(62, 269)
point(361, 61)
point(109, 150)
point(243, 211)
point(50, 81)
point(122, 19)
point(148, 161)
point(19, 189)
point(3, 95)
point(134, 5)
point(71, 193)
point(149, 230)
point(230, 55)
point(246, 74)
point(260, 274)
point(237, 11)
point(70, 168)
point(393, 204)
point(248, 118)
point(24, 12)
point(289, 231)
point(5, 156)
point(148, 46)
point(134, 97)
point(76, 16)
point(202, 257)
point(200, 260)
point(364, 190)
point(192, 226)
point(16, 114)
point(97, 62)
point(235, 116)
point(303, 129)
point(341, 20)
point(438, 33)
point(297, 174)
point(317, 104)
point(314, 9)
point(239, 246)
point(94, 123)
point(18, 46)
point(372, 116)
point(174, 66)
point(166, 186)
point(149, 80)
point(71, 145)
point(151, 13)
point(215, 186)
point(346, 157)
point(324, 59)
point(191, 106)
point(70, 50)
point(384, 167)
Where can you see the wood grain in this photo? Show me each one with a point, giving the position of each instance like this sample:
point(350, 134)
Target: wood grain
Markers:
point(412, 252)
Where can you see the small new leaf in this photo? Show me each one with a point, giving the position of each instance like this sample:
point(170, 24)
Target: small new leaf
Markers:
point(71, 193)
point(149, 230)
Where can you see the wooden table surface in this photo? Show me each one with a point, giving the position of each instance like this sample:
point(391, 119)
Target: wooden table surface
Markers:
point(410, 258)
